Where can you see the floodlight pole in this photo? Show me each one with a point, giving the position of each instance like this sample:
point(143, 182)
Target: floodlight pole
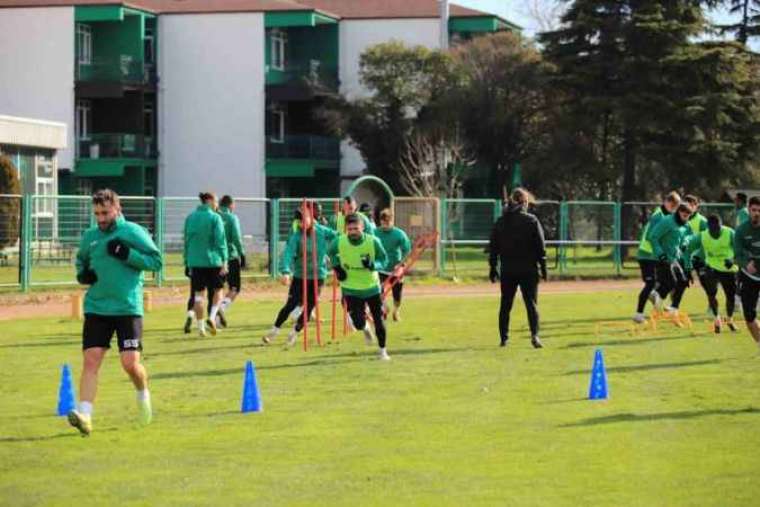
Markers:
point(443, 6)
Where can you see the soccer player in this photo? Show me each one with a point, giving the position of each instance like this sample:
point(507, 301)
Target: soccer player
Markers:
point(397, 247)
point(206, 256)
point(669, 241)
point(111, 259)
point(717, 247)
point(517, 239)
point(356, 256)
point(740, 212)
point(349, 208)
point(647, 260)
point(747, 252)
point(235, 253)
point(291, 267)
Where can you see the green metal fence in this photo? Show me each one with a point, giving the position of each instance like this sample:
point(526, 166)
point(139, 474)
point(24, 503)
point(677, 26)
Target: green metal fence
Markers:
point(40, 237)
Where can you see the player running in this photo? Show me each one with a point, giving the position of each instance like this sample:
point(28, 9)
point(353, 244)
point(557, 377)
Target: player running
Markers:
point(741, 213)
point(669, 244)
point(291, 270)
point(349, 208)
point(747, 252)
point(397, 247)
point(648, 261)
point(717, 247)
point(356, 256)
point(111, 259)
point(235, 253)
point(205, 255)
point(517, 240)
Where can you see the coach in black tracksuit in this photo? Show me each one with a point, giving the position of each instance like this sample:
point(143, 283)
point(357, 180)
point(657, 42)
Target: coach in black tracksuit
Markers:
point(517, 239)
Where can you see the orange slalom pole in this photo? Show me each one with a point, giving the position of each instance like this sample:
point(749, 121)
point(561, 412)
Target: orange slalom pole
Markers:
point(304, 283)
point(336, 210)
point(315, 272)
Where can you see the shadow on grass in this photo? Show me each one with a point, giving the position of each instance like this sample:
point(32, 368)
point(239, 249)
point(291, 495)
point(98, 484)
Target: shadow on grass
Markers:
point(204, 350)
point(688, 414)
point(647, 367)
point(633, 340)
point(38, 344)
point(325, 360)
point(68, 434)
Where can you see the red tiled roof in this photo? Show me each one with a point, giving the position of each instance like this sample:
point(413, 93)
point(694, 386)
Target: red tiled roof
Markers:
point(368, 9)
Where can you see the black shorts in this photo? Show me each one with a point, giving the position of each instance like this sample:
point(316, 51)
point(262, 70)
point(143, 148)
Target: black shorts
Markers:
point(233, 275)
point(99, 329)
point(749, 290)
point(206, 278)
point(648, 270)
point(398, 286)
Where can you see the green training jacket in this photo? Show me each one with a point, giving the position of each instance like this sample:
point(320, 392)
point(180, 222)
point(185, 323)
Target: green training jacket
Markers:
point(352, 250)
point(291, 260)
point(119, 288)
point(742, 215)
point(747, 246)
point(646, 253)
point(697, 223)
point(669, 238)
point(232, 233)
point(205, 240)
point(396, 244)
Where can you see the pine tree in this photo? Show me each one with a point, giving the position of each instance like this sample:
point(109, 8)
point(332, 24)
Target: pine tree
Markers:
point(748, 25)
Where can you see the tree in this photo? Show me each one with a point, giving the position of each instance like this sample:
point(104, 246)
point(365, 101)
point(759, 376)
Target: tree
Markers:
point(546, 14)
point(500, 100)
point(10, 208)
point(401, 81)
point(748, 24)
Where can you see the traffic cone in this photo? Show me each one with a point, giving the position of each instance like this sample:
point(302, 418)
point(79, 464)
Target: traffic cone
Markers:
point(66, 398)
point(598, 388)
point(251, 396)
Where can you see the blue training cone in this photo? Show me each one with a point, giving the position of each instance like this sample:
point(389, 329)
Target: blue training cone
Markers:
point(66, 398)
point(251, 395)
point(598, 389)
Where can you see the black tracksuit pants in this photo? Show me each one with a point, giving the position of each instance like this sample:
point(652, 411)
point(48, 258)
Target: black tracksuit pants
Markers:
point(295, 298)
point(528, 284)
point(356, 308)
point(728, 281)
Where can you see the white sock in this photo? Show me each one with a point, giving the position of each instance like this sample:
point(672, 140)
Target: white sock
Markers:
point(213, 312)
point(143, 395)
point(85, 408)
point(191, 314)
point(202, 325)
point(226, 302)
point(274, 331)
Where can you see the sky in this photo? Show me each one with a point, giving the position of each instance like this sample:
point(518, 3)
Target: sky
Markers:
point(514, 11)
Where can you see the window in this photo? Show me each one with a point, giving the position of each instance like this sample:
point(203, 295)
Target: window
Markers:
point(149, 46)
point(83, 119)
point(279, 47)
point(148, 119)
point(44, 186)
point(84, 44)
point(276, 124)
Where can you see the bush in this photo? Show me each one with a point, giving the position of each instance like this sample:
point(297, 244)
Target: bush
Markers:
point(10, 208)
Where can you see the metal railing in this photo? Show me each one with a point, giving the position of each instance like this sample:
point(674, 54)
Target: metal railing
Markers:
point(304, 147)
point(313, 74)
point(117, 146)
point(124, 69)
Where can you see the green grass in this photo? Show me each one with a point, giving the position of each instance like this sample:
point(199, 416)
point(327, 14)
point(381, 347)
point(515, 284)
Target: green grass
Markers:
point(452, 420)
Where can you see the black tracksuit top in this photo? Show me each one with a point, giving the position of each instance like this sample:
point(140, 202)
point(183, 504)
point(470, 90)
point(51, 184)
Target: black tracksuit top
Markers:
point(517, 239)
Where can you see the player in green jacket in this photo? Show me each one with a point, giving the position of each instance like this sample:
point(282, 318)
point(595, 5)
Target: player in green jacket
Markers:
point(206, 257)
point(291, 269)
point(397, 247)
point(235, 252)
point(669, 240)
point(741, 213)
point(647, 260)
point(356, 256)
point(717, 246)
point(747, 256)
point(111, 260)
point(349, 207)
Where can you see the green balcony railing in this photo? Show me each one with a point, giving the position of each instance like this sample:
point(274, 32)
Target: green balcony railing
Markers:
point(304, 147)
point(117, 146)
point(124, 69)
point(314, 74)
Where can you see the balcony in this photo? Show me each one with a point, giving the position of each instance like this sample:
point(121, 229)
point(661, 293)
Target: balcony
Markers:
point(314, 75)
point(304, 147)
point(125, 70)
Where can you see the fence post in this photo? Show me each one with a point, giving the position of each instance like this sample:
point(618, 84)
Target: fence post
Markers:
point(274, 236)
point(159, 220)
point(617, 235)
point(26, 242)
point(496, 209)
point(563, 236)
point(444, 232)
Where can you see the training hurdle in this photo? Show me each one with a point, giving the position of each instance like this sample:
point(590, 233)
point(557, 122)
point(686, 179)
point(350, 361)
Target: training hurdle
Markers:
point(680, 319)
point(624, 326)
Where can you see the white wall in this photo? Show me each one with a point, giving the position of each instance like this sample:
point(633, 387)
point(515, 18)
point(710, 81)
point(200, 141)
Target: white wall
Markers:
point(355, 36)
point(37, 68)
point(211, 104)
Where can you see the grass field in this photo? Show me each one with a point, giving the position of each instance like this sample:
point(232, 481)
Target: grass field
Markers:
point(451, 420)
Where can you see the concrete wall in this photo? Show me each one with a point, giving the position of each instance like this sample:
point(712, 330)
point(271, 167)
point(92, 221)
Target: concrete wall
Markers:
point(355, 37)
point(211, 104)
point(37, 68)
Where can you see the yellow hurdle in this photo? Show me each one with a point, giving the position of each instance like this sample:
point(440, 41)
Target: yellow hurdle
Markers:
point(77, 306)
point(624, 326)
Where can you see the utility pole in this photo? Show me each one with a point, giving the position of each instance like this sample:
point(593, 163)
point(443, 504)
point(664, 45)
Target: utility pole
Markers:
point(444, 16)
